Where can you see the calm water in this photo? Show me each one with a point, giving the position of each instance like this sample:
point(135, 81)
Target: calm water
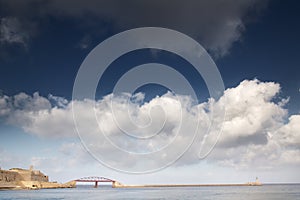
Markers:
point(265, 192)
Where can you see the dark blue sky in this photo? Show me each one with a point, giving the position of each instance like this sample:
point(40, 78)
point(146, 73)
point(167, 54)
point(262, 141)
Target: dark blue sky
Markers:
point(54, 47)
point(269, 51)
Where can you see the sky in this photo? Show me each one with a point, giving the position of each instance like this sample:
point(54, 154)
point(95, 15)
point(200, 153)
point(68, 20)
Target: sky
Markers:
point(194, 131)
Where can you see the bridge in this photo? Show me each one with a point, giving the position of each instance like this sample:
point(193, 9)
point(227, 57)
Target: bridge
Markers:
point(96, 180)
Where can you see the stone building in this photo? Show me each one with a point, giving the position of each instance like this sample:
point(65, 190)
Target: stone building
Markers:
point(30, 175)
point(28, 179)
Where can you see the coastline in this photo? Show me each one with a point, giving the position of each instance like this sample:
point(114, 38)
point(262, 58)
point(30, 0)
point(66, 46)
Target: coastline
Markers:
point(182, 185)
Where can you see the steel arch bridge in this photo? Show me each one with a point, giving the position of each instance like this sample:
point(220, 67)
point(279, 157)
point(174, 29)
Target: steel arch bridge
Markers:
point(95, 179)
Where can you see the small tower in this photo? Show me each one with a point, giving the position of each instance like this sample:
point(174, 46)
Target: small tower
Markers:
point(31, 168)
point(257, 182)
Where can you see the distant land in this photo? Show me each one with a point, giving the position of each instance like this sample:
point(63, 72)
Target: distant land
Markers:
point(17, 178)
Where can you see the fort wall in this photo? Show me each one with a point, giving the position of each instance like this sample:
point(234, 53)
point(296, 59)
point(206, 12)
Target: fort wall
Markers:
point(28, 179)
point(9, 179)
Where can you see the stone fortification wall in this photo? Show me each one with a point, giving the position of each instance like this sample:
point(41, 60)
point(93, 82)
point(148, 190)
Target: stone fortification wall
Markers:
point(9, 178)
point(30, 175)
point(17, 178)
point(39, 176)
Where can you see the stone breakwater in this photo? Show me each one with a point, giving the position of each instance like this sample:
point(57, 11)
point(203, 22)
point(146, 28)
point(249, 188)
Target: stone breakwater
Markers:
point(119, 185)
point(17, 178)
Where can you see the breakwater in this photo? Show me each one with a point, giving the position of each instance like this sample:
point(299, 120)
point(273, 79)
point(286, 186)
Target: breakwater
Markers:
point(119, 185)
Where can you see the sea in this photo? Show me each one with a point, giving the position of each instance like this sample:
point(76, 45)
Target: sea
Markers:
point(87, 192)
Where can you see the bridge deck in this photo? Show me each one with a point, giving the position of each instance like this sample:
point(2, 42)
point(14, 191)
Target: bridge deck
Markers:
point(96, 180)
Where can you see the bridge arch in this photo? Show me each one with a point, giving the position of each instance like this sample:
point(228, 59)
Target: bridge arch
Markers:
point(96, 180)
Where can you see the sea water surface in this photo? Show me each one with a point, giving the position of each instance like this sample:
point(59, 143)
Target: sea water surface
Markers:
point(265, 192)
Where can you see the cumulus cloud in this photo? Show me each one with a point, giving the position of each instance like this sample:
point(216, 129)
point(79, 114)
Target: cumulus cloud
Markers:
point(9, 106)
point(290, 132)
point(250, 113)
point(60, 102)
point(33, 112)
point(215, 24)
point(256, 131)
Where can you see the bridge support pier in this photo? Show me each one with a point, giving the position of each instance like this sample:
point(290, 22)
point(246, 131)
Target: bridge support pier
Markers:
point(96, 184)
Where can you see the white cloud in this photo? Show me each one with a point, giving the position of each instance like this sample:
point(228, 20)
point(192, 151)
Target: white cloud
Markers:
point(25, 102)
point(250, 113)
point(85, 42)
point(255, 134)
point(290, 132)
point(13, 31)
point(5, 107)
point(58, 101)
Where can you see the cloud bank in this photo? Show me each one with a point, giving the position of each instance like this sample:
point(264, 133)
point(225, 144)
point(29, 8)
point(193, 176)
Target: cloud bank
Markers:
point(256, 133)
point(215, 24)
